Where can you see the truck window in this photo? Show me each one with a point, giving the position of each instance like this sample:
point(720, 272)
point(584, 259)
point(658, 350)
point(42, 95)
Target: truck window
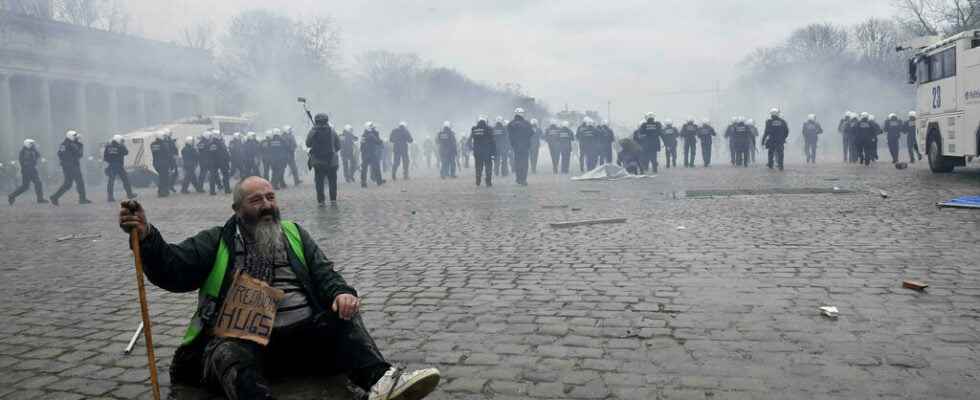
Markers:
point(949, 63)
point(936, 69)
point(923, 70)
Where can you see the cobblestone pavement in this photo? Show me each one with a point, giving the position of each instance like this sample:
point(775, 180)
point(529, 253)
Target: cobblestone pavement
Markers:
point(474, 281)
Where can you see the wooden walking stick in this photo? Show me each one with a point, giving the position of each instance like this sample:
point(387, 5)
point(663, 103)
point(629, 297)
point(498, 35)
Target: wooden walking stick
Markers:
point(145, 313)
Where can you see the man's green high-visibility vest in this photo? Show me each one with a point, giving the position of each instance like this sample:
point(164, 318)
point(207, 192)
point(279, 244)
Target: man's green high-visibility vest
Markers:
point(212, 286)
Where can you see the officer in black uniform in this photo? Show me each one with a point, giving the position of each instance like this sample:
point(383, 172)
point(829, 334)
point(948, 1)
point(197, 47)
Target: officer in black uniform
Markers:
point(446, 141)
point(551, 139)
point(648, 137)
point(290, 139)
point(250, 155)
point(811, 131)
point(706, 134)
point(893, 132)
point(669, 138)
point(347, 142)
point(162, 163)
point(371, 146)
point(278, 157)
point(29, 158)
point(564, 139)
point(502, 165)
point(219, 157)
point(400, 138)
point(484, 149)
point(235, 148)
point(266, 154)
point(115, 155)
point(520, 132)
point(774, 138)
point(862, 133)
point(741, 138)
point(323, 144)
point(535, 146)
point(189, 160)
point(204, 162)
point(843, 127)
point(689, 132)
point(910, 140)
point(70, 154)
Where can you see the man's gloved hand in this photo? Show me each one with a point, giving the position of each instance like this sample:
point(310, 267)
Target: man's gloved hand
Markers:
point(132, 216)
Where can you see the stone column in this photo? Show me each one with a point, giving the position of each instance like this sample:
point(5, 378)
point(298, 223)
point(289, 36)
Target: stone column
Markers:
point(47, 137)
point(81, 110)
point(142, 119)
point(112, 114)
point(8, 140)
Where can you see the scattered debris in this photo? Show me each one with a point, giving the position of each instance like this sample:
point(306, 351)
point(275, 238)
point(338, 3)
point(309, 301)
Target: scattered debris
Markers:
point(576, 209)
point(914, 285)
point(554, 206)
point(836, 188)
point(961, 202)
point(589, 191)
point(681, 228)
point(883, 194)
point(413, 212)
point(569, 224)
point(829, 311)
point(79, 237)
point(832, 179)
point(901, 165)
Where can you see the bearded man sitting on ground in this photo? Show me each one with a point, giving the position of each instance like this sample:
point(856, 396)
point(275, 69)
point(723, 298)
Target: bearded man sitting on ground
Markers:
point(267, 296)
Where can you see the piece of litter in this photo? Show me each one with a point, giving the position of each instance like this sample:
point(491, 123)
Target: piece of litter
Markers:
point(901, 165)
point(589, 191)
point(569, 224)
point(77, 236)
point(549, 207)
point(914, 285)
point(576, 209)
point(836, 188)
point(680, 228)
point(883, 194)
point(829, 311)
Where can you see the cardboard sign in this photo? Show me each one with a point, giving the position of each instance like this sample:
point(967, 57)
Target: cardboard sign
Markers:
point(249, 310)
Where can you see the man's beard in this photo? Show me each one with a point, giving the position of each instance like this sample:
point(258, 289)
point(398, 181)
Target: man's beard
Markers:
point(267, 235)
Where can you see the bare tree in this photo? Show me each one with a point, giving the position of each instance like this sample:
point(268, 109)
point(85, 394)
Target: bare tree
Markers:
point(200, 36)
point(817, 42)
point(33, 8)
point(322, 39)
point(85, 13)
point(391, 75)
point(938, 17)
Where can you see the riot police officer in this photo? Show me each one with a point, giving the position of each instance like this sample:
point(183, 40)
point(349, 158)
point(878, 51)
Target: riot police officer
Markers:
point(893, 131)
point(347, 159)
point(70, 154)
point(648, 137)
point(482, 138)
point(371, 146)
point(689, 132)
point(290, 140)
point(551, 139)
point(218, 157)
point(535, 145)
point(606, 139)
point(811, 130)
point(235, 151)
point(910, 140)
point(190, 158)
point(741, 139)
point(115, 155)
point(706, 134)
point(500, 138)
point(774, 138)
point(400, 138)
point(162, 163)
point(520, 133)
point(669, 138)
point(446, 141)
point(588, 141)
point(863, 132)
point(323, 143)
point(278, 157)
point(563, 140)
point(250, 155)
point(843, 128)
point(29, 159)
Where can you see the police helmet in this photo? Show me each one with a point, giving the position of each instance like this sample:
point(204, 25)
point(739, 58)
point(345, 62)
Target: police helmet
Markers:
point(446, 124)
point(72, 135)
point(892, 116)
point(117, 138)
point(774, 112)
point(705, 121)
point(369, 125)
point(912, 114)
point(481, 118)
point(519, 111)
point(865, 115)
point(189, 139)
point(534, 121)
point(811, 117)
point(500, 119)
point(750, 122)
point(28, 142)
point(649, 115)
point(669, 122)
point(565, 124)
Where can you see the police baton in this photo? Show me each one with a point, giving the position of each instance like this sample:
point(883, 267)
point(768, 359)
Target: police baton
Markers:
point(302, 100)
point(134, 241)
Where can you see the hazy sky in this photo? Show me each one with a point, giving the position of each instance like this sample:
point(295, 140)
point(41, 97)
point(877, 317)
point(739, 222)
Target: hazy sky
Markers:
point(583, 53)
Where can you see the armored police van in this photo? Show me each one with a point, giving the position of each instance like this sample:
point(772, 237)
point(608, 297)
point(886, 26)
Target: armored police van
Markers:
point(947, 78)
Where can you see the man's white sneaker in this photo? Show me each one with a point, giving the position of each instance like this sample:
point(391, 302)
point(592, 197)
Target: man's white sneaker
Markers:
point(397, 385)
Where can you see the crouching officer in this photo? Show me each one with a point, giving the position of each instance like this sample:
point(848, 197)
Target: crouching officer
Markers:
point(308, 316)
point(115, 155)
point(29, 159)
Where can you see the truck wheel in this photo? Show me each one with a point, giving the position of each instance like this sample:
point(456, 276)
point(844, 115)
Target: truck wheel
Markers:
point(938, 163)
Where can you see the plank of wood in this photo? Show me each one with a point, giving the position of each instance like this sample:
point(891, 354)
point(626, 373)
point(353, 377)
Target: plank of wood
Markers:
point(569, 224)
point(914, 285)
point(551, 207)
